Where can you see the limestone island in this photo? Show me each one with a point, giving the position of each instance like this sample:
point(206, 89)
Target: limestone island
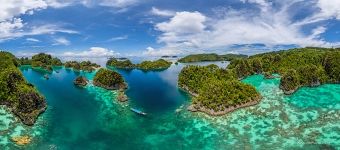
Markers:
point(41, 61)
point(310, 66)
point(210, 57)
point(159, 64)
point(81, 81)
point(111, 80)
point(217, 91)
point(81, 66)
point(16, 93)
point(120, 63)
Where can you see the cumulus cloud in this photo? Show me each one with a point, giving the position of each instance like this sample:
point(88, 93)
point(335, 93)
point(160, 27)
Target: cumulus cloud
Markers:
point(12, 26)
point(12, 8)
point(164, 13)
point(150, 51)
point(183, 23)
point(271, 26)
point(93, 52)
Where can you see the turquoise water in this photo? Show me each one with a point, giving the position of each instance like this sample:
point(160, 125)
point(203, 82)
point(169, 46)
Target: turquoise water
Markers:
point(91, 117)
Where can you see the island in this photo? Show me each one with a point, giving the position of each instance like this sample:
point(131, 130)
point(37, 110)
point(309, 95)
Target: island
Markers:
point(217, 91)
point(120, 63)
point(41, 61)
point(159, 64)
point(109, 80)
point(82, 66)
point(210, 57)
point(168, 56)
point(81, 81)
point(298, 67)
point(21, 97)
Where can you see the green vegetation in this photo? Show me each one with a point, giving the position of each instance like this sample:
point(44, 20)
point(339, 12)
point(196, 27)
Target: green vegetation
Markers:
point(159, 64)
point(21, 97)
point(109, 79)
point(80, 81)
point(215, 89)
point(24, 61)
point(121, 64)
point(210, 57)
point(41, 61)
point(298, 67)
point(45, 61)
point(84, 65)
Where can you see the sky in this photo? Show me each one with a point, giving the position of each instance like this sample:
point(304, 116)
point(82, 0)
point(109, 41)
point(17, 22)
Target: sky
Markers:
point(144, 28)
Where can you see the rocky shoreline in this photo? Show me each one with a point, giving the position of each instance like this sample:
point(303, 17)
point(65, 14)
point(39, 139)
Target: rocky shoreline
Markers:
point(81, 81)
point(121, 86)
point(211, 112)
point(185, 88)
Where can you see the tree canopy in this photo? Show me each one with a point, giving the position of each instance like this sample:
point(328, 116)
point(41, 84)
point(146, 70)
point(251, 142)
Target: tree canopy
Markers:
point(210, 57)
point(16, 93)
point(298, 67)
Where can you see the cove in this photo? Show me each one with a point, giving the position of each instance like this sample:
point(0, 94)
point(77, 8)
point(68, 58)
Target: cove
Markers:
point(91, 118)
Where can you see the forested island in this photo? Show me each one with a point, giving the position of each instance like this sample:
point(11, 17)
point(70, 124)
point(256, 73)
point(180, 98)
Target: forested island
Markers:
point(84, 66)
point(297, 67)
point(47, 62)
point(217, 91)
point(41, 61)
point(109, 80)
point(120, 63)
point(159, 64)
point(16, 93)
point(210, 57)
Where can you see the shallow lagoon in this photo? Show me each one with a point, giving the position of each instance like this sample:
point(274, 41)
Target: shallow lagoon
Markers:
point(91, 118)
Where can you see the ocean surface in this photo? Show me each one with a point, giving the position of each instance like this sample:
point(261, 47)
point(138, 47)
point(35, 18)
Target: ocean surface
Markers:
point(91, 117)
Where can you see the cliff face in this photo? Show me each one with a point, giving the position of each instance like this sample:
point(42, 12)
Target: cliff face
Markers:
point(19, 96)
point(31, 105)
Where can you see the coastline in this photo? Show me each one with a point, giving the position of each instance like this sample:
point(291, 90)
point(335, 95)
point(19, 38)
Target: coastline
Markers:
point(211, 112)
point(198, 108)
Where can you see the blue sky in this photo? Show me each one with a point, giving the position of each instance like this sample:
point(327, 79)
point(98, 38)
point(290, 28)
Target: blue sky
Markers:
point(100, 28)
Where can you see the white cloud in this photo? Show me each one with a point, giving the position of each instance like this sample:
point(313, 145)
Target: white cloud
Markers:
point(61, 41)
point(32, 40)
point(59, 3)
point(15, 28)
point(150, 51)
point(183, 23)
point(93, 52)
point(164, 13)
point(327, 9)
point(118, 3)
point(12, 8)
point(12, 26)
point(271, 26)
point(118, 38)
